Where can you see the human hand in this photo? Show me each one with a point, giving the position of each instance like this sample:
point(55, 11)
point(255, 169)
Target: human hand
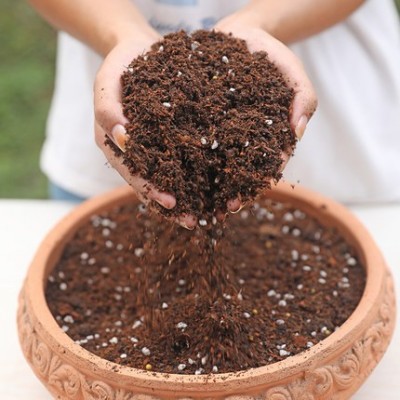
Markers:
point(110, 121)
point(242, 26)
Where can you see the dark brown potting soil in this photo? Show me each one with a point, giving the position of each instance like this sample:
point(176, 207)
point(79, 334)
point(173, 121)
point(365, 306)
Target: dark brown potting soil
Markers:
point(208, 121)
point(125, 289)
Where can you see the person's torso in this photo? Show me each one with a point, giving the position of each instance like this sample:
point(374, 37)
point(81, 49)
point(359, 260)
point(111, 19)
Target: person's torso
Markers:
point(351, 146)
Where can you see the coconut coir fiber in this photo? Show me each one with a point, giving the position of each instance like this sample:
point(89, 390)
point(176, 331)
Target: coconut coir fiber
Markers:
point(293, 282)
point(208, 121)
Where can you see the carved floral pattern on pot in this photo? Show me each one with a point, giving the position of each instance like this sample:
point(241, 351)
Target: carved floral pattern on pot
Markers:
point(339, 378)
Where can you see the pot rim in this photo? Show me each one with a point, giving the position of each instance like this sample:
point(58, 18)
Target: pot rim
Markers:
point(313, 203)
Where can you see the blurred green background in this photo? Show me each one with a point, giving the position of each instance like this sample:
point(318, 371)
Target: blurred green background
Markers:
point(27, 56)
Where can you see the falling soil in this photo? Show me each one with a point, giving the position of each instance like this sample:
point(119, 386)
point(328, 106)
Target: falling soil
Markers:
point(139, 291)
point(208, 121)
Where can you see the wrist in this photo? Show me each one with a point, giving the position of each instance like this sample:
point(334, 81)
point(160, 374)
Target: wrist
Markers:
point(260, 15)
point(243, 18)
point(139, 33)
point(290, 21)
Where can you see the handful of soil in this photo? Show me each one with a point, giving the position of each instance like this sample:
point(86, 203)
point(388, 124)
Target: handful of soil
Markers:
point(208, 121)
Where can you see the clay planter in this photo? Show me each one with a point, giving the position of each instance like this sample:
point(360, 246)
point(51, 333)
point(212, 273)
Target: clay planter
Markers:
point(332, 369)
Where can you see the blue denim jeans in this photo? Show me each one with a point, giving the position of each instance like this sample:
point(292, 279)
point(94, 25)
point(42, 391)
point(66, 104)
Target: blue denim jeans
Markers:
point(58, 193)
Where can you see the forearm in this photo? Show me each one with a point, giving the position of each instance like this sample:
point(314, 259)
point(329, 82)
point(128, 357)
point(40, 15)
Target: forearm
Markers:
point(101, 24)
point(294, 20)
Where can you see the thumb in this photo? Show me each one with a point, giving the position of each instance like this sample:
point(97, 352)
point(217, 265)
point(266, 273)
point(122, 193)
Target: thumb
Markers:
point(107, 102)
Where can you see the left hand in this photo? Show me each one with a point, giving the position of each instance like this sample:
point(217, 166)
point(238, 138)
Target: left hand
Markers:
point(110, 121)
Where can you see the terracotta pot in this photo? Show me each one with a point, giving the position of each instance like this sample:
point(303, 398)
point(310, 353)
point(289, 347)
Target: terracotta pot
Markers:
point(332, 369)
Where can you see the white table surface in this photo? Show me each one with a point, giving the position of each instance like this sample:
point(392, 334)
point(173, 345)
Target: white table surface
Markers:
point(24, 223)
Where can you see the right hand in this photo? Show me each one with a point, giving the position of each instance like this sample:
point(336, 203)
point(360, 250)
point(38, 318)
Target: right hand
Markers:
point(305, 99)
point(110, 121)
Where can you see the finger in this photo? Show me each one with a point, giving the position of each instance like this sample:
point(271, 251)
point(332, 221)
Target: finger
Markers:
point(187, 221)
point(285, 158)
point(164, 199)
point(220, 216)
point(107, 97)
point(305, 98)
point(234, 205)
point(119, 137)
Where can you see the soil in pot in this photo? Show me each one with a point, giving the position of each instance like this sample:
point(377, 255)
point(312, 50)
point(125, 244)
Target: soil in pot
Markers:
point(146, 293)
point(208, 121)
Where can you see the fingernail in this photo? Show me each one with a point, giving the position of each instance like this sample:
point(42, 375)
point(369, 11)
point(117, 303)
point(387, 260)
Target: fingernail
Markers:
point(182, 223)
point(168, 204)
point(163, 204)
point(236, 211)
point(301, 126)
point(119, 137)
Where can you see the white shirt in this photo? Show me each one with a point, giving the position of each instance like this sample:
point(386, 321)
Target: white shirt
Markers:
point(351, 148)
